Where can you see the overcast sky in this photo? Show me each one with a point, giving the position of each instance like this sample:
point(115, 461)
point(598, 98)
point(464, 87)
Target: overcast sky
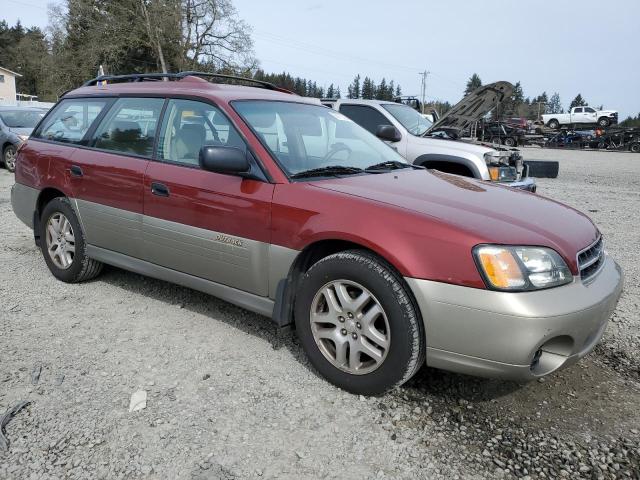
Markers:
point(587, 46)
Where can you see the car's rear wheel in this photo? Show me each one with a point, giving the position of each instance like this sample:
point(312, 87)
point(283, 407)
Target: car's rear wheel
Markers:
point(510, 142)
point(9, 157)
point(63, 245)
point(358, 323)
point(496, 140)
point(553, 124)
point(635, 147)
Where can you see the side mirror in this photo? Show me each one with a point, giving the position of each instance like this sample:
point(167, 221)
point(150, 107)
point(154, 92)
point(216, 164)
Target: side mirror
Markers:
point(388, 133)
point(229, 160)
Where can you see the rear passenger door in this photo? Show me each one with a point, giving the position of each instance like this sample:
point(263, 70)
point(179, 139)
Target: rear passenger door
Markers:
point(205, 224)
point(108, 175)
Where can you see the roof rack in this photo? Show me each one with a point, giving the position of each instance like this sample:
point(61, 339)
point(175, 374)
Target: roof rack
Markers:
point(154, 77)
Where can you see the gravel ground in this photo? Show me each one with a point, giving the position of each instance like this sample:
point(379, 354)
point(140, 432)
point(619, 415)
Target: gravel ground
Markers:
point(230, 397)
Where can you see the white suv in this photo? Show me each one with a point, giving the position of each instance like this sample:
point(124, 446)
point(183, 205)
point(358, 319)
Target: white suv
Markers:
point(408, 133)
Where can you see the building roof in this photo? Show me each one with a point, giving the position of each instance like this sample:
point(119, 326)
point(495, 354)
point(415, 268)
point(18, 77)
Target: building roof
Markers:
point(11, 72)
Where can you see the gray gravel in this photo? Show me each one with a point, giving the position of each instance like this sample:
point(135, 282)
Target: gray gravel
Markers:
point(229, 397)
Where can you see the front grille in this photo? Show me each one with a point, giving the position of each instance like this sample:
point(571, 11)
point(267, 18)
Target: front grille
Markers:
point(591, 259)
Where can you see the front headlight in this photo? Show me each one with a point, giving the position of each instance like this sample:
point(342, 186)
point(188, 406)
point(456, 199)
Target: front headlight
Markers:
point(521, 268)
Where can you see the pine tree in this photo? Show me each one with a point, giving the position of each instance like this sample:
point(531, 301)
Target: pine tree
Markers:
point(473, 84)
point(337, 94)
point(382, 90)
point(330, 91)
point(555, 105)
point(398, 91)
point(354, 88)
point(368, 89)
point(578, 102)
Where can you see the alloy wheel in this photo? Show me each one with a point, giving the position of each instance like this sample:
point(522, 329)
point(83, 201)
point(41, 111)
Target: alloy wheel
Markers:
point(10, 158)
point(350, 327)
point(61, 242)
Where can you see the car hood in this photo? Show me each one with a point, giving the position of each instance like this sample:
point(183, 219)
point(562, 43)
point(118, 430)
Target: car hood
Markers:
point(454, 145)
point(607, 111)
point(490, 213)
point(474, 106)
point(21, 131)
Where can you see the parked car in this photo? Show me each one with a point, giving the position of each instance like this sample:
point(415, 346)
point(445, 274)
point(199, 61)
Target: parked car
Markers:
point(501, 133)
point(581, 116)
point(430, 145)
point(571, 139)
point(289, 209)
point(16, 124)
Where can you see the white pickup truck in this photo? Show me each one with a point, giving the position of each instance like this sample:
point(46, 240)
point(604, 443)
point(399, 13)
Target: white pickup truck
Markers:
point(581, 115)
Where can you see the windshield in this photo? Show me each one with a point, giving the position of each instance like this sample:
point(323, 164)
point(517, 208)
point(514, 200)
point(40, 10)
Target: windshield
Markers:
point(20, 118)
point(304, 137)
point(410, 119)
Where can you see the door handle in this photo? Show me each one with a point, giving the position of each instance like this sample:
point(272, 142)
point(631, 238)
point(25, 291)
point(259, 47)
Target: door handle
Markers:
point(159, 189)
point(76, 171)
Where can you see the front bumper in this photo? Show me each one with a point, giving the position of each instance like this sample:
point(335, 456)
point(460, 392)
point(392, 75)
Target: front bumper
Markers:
point(526, 183)
point(518, 336)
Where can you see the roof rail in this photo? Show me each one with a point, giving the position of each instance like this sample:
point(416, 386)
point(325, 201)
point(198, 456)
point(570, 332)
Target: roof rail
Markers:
point(146, 77)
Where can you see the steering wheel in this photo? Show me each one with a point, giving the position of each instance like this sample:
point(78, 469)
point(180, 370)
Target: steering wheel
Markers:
point(335, 148)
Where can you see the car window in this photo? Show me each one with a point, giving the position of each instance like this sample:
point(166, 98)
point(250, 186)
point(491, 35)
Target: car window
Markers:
point(410, 119)
point(70, 120)
point(367, 117)
point(578, 110)
point(589, 110)
point(130, 126)
point(303, 137)
point(189, 125)
point(20, 118)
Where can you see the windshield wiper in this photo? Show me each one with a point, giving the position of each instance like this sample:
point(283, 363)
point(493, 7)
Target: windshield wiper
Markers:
point(389, 165)
point(327, 171)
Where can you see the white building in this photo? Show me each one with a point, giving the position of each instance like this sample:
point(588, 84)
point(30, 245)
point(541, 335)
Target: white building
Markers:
point(8, 86)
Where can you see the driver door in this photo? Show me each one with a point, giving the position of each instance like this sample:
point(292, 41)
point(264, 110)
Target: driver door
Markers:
point(205, 224)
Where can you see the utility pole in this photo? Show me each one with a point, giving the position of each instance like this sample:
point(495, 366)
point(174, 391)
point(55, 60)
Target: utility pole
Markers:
point(423, 88)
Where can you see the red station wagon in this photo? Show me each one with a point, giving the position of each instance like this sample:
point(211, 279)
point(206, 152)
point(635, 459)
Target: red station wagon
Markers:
point(284, 207)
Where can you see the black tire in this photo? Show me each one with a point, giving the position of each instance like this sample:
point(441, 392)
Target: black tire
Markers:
point(406, 353)
point(604, 122)
point(553, 124)
point(496, 140)
point(543, 169)
point(8, 152)
point(635, 147)
point(82, 268)
point(510, 142)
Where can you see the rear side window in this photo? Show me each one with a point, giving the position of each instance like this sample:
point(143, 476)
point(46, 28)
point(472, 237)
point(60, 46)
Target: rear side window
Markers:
point(578, 110)
point(367, 117)
point(130, 126)
point(70, 120)
point(189, 125)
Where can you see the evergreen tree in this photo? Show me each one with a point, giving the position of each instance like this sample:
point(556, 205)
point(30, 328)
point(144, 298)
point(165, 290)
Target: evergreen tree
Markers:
point(368, 89)
point(382, 92)
point(555, 105)
point(398, 91)
point(354, 89)
point(472, 84)
point(578, 102)
point(337, 94)
point(330, 91)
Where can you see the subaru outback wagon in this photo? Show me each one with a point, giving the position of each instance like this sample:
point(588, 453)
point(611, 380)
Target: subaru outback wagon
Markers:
point(279, 205)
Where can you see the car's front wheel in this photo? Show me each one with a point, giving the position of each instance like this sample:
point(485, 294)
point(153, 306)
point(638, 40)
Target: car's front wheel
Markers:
point(9, 157)
point(358, 323)
point(604, 122)
point(63, 245)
